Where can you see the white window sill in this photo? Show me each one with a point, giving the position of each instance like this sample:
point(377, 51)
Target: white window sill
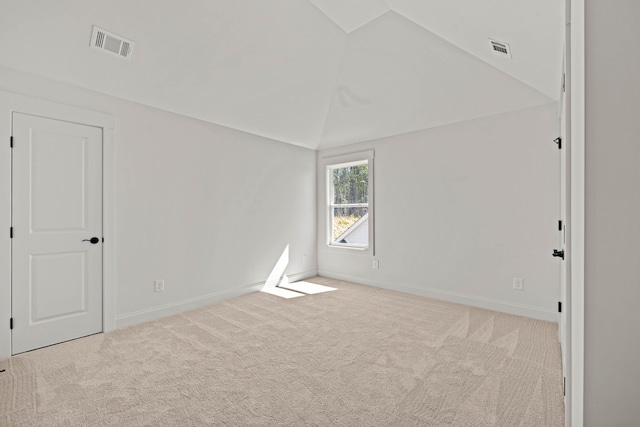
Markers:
point(356, 248)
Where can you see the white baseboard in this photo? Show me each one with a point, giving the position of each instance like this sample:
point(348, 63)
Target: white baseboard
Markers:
point(302, 276)
point(180, 306)
point(295, 277)
point(193, 303)
point(456, 297)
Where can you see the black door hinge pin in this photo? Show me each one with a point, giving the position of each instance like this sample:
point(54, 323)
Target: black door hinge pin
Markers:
point(559, 306)
point(11, 323)
point(558, 141)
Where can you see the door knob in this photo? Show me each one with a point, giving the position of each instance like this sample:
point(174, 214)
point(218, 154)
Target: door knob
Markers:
point(93, 240)
point(558, 253)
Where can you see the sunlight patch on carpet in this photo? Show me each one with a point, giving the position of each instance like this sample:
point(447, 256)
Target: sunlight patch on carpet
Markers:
point(282, 293)
point(308, 288)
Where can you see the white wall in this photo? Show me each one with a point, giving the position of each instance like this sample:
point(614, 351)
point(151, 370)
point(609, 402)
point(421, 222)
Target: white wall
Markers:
point(206, 208)
point(612, 214)
point(482, 203)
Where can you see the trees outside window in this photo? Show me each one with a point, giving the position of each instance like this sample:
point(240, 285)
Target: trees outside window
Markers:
point(349, 209)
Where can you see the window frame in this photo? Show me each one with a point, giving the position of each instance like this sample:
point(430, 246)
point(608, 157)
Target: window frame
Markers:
point(341, 161)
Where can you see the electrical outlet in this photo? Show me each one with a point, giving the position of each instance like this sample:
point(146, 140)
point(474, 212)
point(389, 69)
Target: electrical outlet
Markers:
point(376, 264)
point(518, 283)
point(159, 285)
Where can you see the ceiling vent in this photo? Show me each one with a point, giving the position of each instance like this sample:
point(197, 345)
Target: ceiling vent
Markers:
point(109, 42)
point(500, 48)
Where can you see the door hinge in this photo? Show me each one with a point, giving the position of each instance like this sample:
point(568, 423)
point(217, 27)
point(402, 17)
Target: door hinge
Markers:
point(564, 386)
point(11, 232)
point(564, 82)
point(11, 142)
point(559, 306)
point(11, 323)
point(560, 225)
point(558, 141)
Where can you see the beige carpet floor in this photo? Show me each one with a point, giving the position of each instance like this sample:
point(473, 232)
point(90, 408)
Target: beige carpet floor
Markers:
point(358, 356)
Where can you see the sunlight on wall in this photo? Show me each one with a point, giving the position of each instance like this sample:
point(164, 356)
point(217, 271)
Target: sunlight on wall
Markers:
point(271, 284)
point(278, 281)
point(278, 270)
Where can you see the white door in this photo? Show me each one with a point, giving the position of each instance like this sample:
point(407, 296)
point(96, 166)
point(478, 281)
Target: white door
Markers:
point(565, 234)
point(56, 211)
point(562, 238)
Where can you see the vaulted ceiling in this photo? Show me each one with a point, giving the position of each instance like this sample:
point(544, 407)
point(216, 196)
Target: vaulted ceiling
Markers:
point(314, 73)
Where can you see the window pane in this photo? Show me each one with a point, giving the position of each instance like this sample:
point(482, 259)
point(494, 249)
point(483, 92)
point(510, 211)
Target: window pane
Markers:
point(351, 184)
point(351, 225)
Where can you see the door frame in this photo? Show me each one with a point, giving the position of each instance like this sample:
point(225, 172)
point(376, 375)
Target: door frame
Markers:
point(577, 176)
point(10, 103)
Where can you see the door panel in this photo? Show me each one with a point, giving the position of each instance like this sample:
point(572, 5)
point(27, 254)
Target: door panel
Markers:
point(63, 297)
point(56, 208)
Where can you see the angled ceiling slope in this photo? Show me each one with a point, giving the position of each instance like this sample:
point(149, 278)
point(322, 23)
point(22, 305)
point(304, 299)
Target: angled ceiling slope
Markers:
point(534, 29)
point(313, 73)
point(353, 14)
point(397, 77)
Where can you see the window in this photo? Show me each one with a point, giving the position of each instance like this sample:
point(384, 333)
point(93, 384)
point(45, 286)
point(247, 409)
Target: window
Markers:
point(349, 201)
